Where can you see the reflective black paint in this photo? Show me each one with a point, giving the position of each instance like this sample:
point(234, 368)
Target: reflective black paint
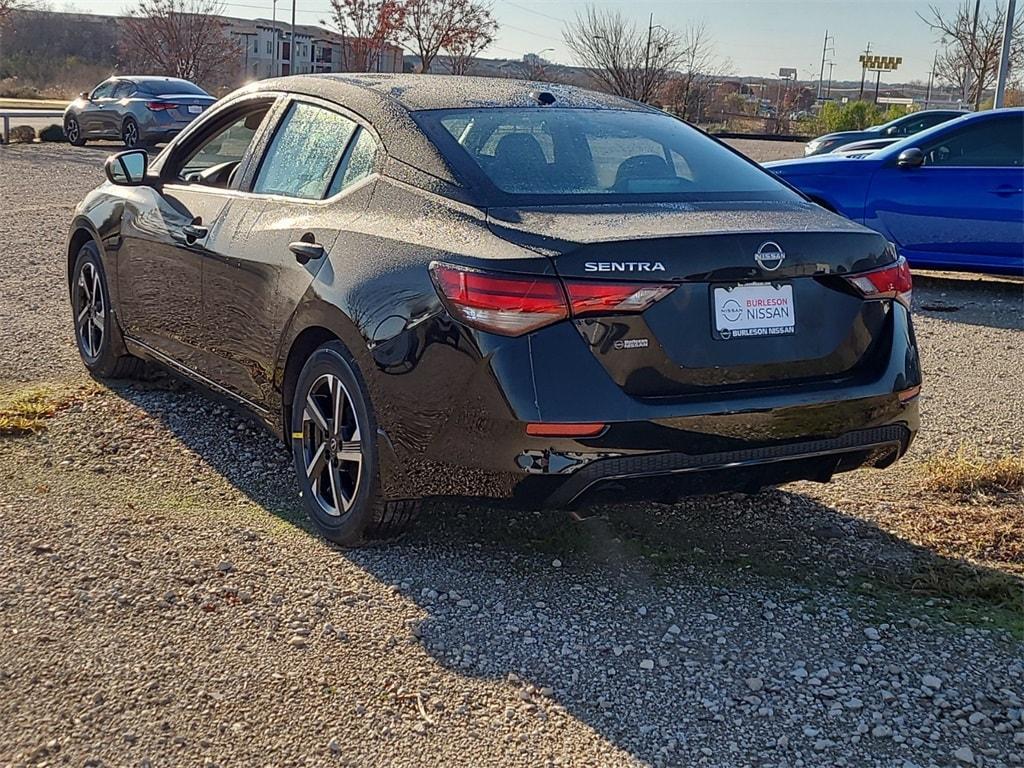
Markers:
point(238, 311)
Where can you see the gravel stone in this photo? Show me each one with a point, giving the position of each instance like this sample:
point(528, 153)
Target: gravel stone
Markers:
point(126, 642)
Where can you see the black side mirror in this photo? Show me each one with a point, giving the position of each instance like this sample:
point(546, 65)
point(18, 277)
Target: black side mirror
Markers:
point(910, 158)
point(127, 169)
point(84, 95)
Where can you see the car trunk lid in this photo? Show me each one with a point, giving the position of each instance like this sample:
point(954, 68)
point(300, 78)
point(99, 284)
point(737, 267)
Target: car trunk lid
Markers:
point(759, 296)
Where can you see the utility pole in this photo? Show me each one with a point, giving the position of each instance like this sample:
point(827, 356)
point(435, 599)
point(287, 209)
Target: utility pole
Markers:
point(828, 90)
point(863, 72)
point(824, 51)
point(291, 48)
point(1004, 58)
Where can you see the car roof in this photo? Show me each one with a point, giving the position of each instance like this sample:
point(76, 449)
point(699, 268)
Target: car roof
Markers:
point(925, 135)
point(386, 102)
point(419, 92)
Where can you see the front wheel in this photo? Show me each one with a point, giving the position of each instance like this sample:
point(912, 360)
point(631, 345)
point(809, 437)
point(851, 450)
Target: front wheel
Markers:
point(73, 132)
point(334, 447)
point(99, 341)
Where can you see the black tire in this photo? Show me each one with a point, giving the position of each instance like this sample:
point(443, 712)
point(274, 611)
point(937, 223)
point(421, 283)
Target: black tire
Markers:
point(130, 134)
point(73, 132)
point(96, 332)
point(342, 497)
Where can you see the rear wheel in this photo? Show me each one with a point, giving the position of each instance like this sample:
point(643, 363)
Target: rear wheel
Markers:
point(73, 132)
point(334, 447)
point(99, 339)
point(130, 133)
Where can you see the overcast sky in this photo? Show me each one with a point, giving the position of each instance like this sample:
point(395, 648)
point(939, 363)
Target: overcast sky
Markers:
point(756, 36)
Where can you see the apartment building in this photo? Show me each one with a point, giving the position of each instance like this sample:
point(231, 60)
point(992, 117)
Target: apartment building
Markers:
point(266, 47)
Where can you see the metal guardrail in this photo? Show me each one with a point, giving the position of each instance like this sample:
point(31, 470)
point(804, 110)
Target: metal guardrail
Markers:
point(7, 114)
point(761, 136)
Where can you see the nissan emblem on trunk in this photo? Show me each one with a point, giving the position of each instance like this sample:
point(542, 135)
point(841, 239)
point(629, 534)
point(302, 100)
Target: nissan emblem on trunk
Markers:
point(769, 256)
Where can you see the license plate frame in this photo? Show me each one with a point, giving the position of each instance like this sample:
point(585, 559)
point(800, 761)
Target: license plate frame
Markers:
point(752, 310)
point(195, 109)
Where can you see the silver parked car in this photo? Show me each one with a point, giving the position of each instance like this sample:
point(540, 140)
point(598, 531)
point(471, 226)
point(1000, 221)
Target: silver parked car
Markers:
point(136, 110)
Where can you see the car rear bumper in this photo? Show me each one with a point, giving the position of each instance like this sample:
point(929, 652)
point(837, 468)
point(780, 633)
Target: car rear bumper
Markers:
point(465, 435)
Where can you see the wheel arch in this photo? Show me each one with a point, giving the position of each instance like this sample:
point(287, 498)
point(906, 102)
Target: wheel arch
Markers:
point(81, 233)
point(302, 346)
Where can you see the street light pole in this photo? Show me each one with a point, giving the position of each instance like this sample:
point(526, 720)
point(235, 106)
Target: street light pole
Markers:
point(291, 48)
point(1004, 58)
point(647, 56)
point(273, 34)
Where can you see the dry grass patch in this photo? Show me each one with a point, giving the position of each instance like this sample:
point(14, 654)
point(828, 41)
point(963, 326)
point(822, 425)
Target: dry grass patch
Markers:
point(25, 411)
point(967, 474)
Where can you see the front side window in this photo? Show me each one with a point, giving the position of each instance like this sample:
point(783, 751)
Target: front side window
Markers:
point(305, 153)
point(996, 142)
point(104, 90)
point(225, 146)
point(600, 153)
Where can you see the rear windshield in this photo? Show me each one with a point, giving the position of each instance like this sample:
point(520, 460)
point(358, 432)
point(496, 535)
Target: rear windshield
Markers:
point(549, 152)
point(173, 88)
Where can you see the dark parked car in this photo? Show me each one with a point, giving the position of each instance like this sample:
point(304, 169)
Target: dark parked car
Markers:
point(863, 148)
point(951, 197)
point(899, 128)
point(444, 286)
point(136, 110)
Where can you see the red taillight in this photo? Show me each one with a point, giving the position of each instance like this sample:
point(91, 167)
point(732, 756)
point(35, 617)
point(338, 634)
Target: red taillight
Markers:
point(507, 304)
point(160, 106)
point(892, 282)
point(516, 304)
point(589, 298)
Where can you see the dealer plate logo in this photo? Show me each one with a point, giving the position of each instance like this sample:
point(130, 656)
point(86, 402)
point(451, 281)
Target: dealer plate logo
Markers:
point(769, 256)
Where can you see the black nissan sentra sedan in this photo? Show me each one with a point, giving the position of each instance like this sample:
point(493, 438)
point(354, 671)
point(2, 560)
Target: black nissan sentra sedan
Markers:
point(449, 286)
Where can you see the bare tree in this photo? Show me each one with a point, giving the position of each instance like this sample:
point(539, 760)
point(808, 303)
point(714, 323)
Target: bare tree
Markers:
point(970, 59)
point(433, 25)
point(623, 58)
point(465, 43)
point(178, 38)
point(689, 90)
point(367, 25)
point(6, 6)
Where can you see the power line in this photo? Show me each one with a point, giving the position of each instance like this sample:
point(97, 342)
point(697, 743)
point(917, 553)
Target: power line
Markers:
point(536, 13)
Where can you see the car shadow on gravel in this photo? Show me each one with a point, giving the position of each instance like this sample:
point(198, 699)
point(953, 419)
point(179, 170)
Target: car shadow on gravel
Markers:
point(662, 627)
point(959, 298)
point(777, 533)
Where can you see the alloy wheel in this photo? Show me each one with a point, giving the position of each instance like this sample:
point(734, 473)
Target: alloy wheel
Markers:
point(131, 134)
point(72, 130)
point(92, 310)
point(331, 446)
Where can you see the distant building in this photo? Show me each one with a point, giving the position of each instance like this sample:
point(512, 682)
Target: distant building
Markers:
point(266, 49)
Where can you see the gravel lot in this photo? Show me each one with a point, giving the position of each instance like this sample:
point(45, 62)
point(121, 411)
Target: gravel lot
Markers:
point(163, 602)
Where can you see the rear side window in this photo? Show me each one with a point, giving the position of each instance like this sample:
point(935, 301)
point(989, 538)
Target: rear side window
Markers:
point(604, 153)
point(124, 89)
point(357, 163)
point(305, 153)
